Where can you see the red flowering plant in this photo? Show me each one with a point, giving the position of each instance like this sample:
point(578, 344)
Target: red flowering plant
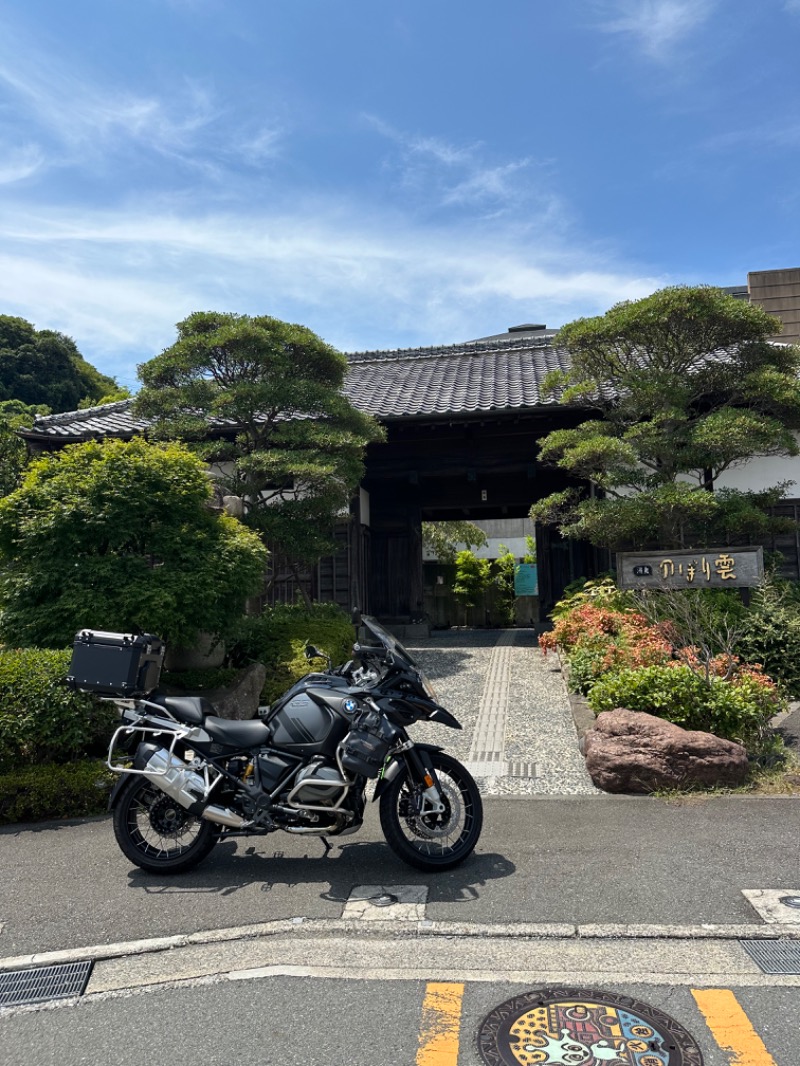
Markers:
point(597, 640)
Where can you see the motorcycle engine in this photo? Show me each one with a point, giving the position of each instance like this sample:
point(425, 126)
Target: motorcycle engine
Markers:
point(317, 785)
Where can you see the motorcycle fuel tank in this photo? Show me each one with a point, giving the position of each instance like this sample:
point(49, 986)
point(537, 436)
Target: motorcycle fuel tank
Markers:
point(303, 724)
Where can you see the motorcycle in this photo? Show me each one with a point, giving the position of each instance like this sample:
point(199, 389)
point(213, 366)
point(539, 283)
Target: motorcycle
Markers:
point(190, 778)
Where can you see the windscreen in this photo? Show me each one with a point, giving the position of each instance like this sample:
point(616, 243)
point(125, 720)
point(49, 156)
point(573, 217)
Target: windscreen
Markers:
point(392, 644)
point(387, 639)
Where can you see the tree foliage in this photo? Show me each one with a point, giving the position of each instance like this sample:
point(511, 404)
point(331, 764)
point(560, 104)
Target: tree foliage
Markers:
point(472, 577)
point(505, 568)
point(119, 535)
point(43, 367)
point(446, 539)
point(14, 415)
point(684, 386)
point(263, 399)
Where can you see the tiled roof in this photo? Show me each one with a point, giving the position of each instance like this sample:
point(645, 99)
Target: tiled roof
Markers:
point(495, 374)
point(110, 420)
point(463, 379)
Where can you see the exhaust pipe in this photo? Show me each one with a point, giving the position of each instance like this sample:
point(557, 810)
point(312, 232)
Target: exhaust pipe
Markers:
point(177, 780)
point(223, 816)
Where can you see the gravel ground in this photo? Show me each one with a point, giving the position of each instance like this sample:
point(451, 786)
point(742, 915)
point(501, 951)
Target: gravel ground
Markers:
point(539, 726)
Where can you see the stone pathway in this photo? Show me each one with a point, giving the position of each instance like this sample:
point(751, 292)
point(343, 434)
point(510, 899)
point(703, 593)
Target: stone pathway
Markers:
point(519, 735)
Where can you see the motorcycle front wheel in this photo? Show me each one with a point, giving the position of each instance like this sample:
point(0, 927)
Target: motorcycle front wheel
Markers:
point(156, 833)
point(433, 841)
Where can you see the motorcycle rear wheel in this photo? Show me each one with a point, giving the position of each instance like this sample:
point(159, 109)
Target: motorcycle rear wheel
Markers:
point(156, 833)
point(434, 841)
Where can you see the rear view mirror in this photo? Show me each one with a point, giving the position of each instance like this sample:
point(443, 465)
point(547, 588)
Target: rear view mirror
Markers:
point(312, 653)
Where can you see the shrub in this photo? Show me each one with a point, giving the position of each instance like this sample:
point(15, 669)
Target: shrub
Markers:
point(596, 640)
point(600, 592)
point(738, 709)
point(116, 535)
point(277, 638)
point(49, 791)
point(771, 633)
point(504, 569)
point(40, 720)
point(472, 577)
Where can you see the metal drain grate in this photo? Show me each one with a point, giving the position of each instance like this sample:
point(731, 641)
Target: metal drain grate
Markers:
point(41, 983)
point(774, 956)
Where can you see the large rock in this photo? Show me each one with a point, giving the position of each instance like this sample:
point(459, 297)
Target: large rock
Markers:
point(629, 751)
point(241, 699)
point(207, 654)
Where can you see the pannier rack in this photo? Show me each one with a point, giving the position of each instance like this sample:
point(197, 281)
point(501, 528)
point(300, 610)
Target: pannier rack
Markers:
point(127, 730)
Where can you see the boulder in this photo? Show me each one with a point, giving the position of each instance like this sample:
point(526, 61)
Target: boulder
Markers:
point(242, 698)
point(207, 654)
point(630, 751)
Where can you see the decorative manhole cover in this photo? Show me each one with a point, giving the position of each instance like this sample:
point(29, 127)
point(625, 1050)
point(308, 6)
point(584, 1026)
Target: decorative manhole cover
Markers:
point(579, 1027)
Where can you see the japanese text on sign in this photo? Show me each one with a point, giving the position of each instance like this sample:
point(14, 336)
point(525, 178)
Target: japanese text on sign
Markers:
point(723, 565)
point(714, 567)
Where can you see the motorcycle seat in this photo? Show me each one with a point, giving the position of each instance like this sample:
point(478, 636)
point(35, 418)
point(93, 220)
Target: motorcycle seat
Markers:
point(189, 709)
point(245, 734)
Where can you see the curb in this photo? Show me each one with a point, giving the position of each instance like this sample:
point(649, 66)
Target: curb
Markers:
point(401, 929)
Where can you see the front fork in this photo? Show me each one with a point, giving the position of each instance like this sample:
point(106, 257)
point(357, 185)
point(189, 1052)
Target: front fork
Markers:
point(422, 773)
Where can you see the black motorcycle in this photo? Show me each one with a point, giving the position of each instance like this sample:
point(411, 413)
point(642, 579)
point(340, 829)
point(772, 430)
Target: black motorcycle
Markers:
point(189, 778)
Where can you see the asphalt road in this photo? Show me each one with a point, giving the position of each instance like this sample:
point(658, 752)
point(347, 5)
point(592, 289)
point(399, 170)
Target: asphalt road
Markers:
point(540, 859)
point(344, 994)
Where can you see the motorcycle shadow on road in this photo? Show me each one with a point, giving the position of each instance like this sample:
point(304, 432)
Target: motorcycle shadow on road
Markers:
point(230, 870)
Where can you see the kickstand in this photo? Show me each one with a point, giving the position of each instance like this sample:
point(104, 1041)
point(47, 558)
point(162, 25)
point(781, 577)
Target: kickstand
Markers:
point(327, 845)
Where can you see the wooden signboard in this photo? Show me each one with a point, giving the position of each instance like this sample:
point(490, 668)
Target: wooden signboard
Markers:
point(727, 568)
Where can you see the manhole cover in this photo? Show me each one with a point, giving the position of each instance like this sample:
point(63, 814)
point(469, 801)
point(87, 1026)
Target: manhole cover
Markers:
point(579, 1027)
point(385, 899)
point(41, 983)
point(790, 901)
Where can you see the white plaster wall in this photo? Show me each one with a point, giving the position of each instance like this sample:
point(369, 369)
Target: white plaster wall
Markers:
point(762, 472)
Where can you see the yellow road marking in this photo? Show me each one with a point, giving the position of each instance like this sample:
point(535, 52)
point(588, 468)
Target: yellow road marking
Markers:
point(440, 1025)
point(731, 1028)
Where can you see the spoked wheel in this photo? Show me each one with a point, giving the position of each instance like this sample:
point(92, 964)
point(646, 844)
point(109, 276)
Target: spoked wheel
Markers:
point(433, 841)
point(156, 833)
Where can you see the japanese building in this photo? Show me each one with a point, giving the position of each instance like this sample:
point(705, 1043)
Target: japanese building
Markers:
point(462, 424)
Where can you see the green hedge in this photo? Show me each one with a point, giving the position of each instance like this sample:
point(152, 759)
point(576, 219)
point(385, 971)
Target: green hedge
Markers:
point(739, 709)
point(277, 638)
point(50, 791)
point(40, 720)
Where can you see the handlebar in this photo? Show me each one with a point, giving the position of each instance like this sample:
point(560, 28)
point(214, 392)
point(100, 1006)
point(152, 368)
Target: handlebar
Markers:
point(366, 650)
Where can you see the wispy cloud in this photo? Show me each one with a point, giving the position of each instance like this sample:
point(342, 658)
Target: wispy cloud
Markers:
point(657, 27)
point(452, 175)
point(20, 163)
point(77, 117)
point(119, 281)
point(774, 134)
point(423, 146)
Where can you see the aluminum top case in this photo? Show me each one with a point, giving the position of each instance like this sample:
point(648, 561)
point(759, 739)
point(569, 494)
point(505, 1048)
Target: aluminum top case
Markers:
point(116, 664)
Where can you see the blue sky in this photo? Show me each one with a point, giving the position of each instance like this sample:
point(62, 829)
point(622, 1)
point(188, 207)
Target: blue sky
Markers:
point(388, 173)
